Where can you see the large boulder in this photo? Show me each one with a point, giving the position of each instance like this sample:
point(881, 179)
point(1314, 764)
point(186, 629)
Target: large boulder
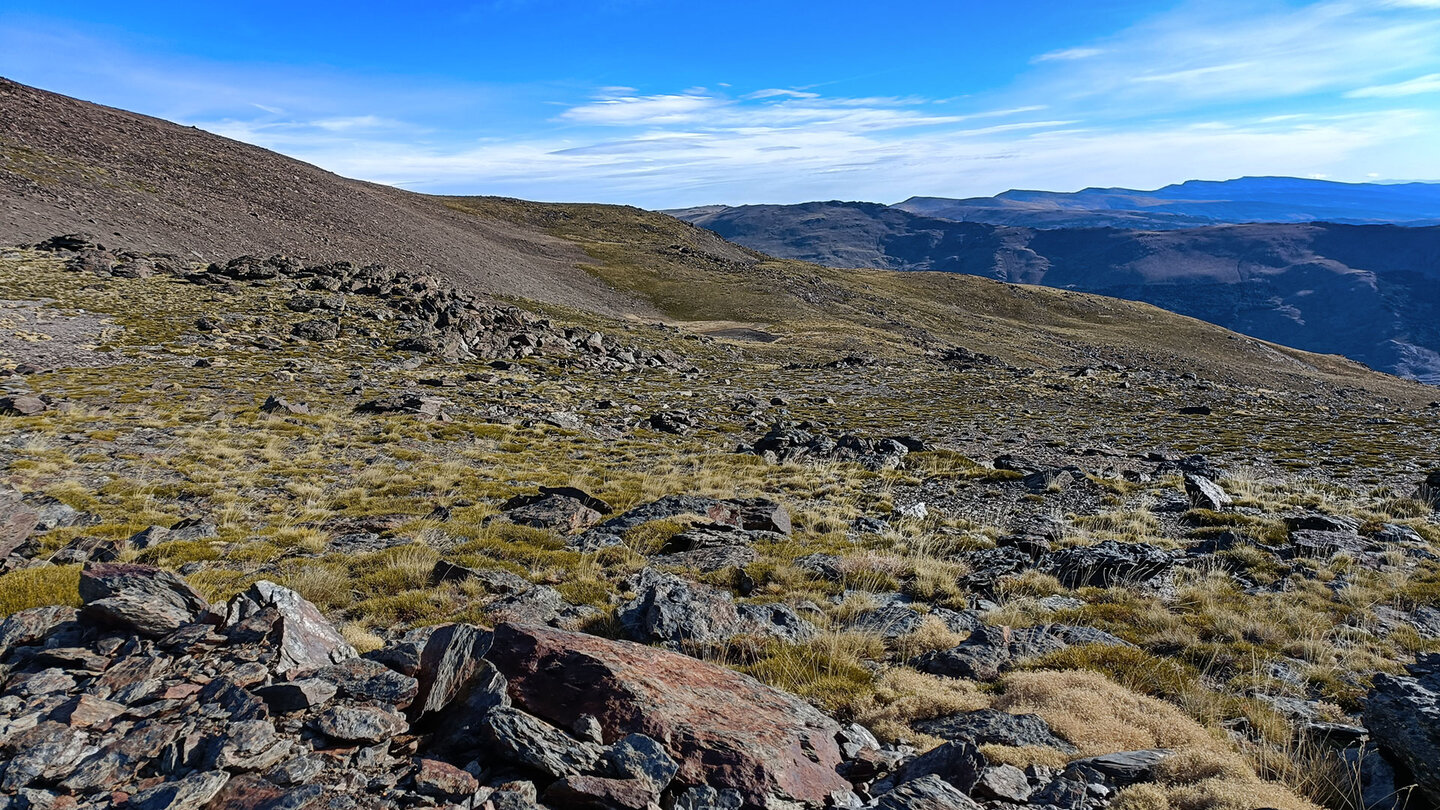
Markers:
point(304, 637)
point(1403, 716)
point(1108, 563)
point(146, 600)
point(778, 749)
point(679, 613)
point(991, 727)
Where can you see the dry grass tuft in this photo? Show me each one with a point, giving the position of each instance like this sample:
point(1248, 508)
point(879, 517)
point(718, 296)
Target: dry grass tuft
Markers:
point(1102, 717)
point(38, 587)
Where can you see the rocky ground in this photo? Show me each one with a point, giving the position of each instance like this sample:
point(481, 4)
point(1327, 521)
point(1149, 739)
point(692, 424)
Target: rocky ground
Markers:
point(292, 535)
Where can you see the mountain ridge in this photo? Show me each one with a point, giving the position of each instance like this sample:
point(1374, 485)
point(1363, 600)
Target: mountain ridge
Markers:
point(1364, 291)
point(1195, 203)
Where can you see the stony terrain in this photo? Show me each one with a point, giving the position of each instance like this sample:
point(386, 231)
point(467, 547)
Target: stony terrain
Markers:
point(328, 535)
point(291, 530)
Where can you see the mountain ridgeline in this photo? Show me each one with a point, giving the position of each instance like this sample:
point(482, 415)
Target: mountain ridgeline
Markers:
point(1196, 203)
point(1367, 292)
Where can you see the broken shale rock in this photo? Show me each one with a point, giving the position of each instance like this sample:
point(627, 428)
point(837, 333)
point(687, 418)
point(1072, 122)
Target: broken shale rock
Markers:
point(139, 598)
point(779, 748)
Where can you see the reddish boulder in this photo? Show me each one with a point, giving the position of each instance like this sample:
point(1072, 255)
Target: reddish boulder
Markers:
point(724, 729)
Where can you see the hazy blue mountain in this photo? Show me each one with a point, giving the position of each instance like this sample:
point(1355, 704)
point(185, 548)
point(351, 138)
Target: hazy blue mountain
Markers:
point(1197, 203)
point(1369, 292)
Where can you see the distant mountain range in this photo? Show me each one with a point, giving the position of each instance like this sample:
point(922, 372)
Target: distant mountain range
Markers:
point(1197, 203)
point(1368, 292)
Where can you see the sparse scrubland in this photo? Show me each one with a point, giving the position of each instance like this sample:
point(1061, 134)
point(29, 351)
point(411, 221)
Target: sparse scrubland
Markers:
point(1227, 651)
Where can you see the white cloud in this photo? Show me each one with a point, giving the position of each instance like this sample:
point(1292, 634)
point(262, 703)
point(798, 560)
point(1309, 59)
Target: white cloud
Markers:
point(1069, 55)
point(1231, 51)
point(1429, 83)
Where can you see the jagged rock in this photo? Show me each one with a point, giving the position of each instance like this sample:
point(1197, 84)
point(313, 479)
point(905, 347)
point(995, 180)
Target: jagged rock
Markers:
point(1005, 783)
point(1403, 716)
point(1317, 522)
point(188, 793)
point(958, 763)
point(671, 610)
point(451, 658)
point(991, 727)
point(708, 558)
point(17, 522)
point(551, 510)
point(148, 538)
point(274, 404)
point(890, 621)
point(297, 696)
point(361, 724)
point(749, 514)
point(21, 405)
point(537, 604)
point(370, 681)
point(991, 650)
point(778, 747)
point(43, 753)
point(495, 580)
point(1322, 544)
point(637, 756)
point(676, 612)
point(524, 739)
point(1108, 563)
point(147, 600)
point(429, 407)
point(925, 793)
point(316, 330)
point(708, 798)
point(88, 549)
point(443, 781)
point(1120, 769)
point(600, 793)
point(1206, 494)
point(306, 640)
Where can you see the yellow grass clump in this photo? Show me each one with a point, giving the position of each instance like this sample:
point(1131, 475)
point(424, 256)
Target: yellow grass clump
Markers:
point(1101, 717)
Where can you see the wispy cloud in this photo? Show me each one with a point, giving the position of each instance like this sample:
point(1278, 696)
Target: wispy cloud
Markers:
point(1069, 54)
point(1429, 83)
point(1209, 89)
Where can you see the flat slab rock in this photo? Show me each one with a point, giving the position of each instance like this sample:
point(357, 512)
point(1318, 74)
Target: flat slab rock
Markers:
point(777, 748)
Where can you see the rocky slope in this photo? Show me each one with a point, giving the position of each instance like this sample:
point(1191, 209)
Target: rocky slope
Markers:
point(493, 507)
point(285, 532)
point(1365, 292)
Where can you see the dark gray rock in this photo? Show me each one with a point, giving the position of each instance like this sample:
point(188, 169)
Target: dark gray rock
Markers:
point(296, 696)
point(188, 793)
point(1403, 715)
point(991, 650)
point(1119, 769)
point(1206, 494)
point(925, 793)
point(147, 600)
point(637, 756)
point(524, 739)
point(1005, 783)
point(369, 681)
point(453, 655)
point(991, 727)
point(304, 637)
point(360, 724)
point(1108, 563)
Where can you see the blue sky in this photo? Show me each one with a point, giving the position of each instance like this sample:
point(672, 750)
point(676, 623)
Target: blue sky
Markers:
point(667, 104)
